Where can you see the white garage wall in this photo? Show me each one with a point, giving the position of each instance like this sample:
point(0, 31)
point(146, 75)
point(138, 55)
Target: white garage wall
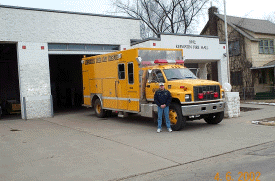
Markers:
point(23, 25)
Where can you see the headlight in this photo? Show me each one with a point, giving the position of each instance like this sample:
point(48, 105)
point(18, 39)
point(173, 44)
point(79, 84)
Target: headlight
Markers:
point(223, 94)
point(187, 97)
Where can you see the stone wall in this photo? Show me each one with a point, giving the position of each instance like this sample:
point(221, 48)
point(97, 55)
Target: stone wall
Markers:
point(232, 106)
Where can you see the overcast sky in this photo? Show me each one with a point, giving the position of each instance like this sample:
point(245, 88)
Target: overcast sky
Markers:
point(240, 8)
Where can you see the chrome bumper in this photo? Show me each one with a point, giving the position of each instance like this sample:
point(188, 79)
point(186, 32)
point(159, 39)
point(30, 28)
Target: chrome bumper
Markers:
point(201, 109)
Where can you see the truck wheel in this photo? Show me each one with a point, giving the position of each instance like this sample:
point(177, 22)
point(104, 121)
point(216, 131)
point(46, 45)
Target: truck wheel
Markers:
point(214, 118)
point(99, 112)
point(176, 119)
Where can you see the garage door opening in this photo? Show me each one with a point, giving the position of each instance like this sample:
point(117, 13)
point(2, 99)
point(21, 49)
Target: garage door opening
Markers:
point(9, 82)
point(66, 81)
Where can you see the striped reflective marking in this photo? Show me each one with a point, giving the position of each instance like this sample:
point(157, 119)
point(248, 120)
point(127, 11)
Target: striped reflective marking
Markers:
point(121, 98)
point(86, 96)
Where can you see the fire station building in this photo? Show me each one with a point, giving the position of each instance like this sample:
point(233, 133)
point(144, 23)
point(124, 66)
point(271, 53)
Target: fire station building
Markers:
point(41, 51)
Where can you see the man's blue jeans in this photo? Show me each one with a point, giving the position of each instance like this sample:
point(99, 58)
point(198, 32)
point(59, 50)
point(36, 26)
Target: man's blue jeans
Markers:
point(166, 115)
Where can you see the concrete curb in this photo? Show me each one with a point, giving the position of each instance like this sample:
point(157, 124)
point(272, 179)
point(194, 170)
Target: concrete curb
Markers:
point(266, 123)
point(259, 103)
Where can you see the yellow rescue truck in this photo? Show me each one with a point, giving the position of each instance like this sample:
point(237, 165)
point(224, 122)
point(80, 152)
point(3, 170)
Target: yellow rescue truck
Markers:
point(125, 82)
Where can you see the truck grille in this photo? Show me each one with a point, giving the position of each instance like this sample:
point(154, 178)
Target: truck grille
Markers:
point(202, 93)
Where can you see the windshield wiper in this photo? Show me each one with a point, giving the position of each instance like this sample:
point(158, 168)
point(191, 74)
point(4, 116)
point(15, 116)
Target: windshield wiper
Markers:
point(190, 77)
point(174, 78)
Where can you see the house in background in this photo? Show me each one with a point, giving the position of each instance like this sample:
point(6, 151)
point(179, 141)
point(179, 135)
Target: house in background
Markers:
point(251, 53)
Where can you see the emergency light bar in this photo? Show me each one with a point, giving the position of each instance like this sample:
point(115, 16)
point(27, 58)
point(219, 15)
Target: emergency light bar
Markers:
point(163, 61)
point(160, 61)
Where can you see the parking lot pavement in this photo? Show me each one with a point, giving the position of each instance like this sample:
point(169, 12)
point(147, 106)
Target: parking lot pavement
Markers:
point(79, 146)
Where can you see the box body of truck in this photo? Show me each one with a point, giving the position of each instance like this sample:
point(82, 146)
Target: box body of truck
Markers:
point(125, 81)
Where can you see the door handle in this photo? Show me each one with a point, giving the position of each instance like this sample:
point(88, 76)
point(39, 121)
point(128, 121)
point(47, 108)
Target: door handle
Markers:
point(148, 86)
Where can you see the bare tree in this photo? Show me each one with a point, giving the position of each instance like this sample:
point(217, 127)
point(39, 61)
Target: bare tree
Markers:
point(158, 16)
point(270, 17)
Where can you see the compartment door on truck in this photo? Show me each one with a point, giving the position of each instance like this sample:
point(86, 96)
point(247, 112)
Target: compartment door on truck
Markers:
point(106, 77)
point(86, 88)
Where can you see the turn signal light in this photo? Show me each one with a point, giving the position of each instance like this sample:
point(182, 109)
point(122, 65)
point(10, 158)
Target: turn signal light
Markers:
point(183, 87)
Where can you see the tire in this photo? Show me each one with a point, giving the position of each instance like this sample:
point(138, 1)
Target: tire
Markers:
point(99, 112)
point(176, 119)
point(214, 118)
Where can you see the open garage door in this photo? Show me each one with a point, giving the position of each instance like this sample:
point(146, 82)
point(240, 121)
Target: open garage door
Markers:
point(9, 82)
point(66, 81)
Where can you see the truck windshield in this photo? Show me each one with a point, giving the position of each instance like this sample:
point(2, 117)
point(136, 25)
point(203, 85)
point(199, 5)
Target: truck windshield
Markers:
point(181, 73)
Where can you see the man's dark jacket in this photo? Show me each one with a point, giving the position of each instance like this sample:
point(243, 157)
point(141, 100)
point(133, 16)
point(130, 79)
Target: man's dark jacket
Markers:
point(162, 97)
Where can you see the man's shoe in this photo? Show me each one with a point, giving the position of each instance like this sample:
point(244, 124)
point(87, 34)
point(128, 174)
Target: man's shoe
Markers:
point(169, 129)
point(158, 130)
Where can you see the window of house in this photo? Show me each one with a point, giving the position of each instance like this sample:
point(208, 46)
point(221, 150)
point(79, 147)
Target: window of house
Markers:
point(266, 47)
point(234, 48)
point(262, 77)
point(236, 78)
point(121, 71)
point(130, 73)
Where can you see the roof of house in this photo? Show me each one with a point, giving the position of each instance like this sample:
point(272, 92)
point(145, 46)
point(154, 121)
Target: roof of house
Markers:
point(254, 25)
point(242, 24)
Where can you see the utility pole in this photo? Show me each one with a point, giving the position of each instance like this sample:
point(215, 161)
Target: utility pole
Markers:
point(226, 39)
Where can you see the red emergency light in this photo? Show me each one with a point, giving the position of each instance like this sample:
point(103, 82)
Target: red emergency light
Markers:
point(160, 61)
point(200, 95)
point(179, 62)
point(216, 95)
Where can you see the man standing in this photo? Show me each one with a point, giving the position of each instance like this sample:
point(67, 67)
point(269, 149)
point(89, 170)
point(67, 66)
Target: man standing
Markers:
point(163, 99)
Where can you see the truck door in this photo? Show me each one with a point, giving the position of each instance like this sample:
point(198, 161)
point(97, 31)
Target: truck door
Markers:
point(152, 85)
